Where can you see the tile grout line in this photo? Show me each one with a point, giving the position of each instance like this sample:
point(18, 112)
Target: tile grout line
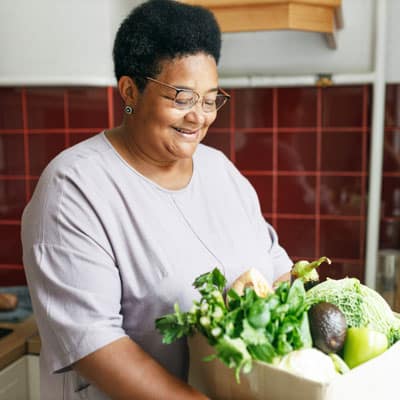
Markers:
point(232, 127)
point(26, 144)
point(275, 95)
point(110, 105)
point(318, 175)
point(354, 174)
point(10, 222)
point(364, 169)
point(326, 217)
point(66, 118)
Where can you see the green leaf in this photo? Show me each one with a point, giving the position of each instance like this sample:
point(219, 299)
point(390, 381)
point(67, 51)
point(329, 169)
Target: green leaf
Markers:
point(233, 299)
point(296, 296)
point(282, 291)
point(259, 314)
point(210, 281)
point(264, 352)
point(234, 354)
point(172, 328)
point(251, 335)
point(249, 297)
point(283, 345)
point(304, 332)
point(233, 322)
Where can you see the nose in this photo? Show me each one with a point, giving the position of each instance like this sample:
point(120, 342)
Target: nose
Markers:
point(196, 113)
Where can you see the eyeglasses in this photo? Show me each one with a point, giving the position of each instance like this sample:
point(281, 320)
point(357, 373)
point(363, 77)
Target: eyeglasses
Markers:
point(185, 99)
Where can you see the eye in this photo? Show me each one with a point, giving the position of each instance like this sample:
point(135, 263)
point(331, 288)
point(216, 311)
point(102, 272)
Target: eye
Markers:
point(183, 102)
point(210, 102)
point(184, 98)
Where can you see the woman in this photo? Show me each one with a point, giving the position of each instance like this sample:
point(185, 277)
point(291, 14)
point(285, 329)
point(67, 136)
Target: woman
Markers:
point(121, 224)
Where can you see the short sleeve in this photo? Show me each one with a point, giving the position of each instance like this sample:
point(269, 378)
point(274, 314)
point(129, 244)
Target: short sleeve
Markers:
point(76, 301)
point(73, 280)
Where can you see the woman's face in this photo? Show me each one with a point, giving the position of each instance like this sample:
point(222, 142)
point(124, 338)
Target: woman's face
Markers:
point(163, 132)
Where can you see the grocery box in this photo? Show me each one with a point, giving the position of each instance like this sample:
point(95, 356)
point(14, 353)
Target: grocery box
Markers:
point(375, 379)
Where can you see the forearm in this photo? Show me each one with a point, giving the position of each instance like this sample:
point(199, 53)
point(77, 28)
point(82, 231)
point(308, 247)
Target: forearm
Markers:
point(123, 371)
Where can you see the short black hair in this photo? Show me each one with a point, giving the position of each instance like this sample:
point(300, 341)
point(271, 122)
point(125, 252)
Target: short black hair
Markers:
point(160, 30)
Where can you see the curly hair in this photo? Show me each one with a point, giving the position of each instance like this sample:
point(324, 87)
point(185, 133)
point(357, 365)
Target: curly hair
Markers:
point(160, 30)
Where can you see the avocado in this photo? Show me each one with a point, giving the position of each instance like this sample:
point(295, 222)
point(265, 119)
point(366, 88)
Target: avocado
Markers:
point(328, 327)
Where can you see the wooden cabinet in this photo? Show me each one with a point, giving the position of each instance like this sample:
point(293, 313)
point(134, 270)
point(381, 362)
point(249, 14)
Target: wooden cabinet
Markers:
point(20, 380)
point(323, 16)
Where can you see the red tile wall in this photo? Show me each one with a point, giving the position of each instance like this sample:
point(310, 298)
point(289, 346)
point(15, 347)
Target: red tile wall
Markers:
point(305, 150)
point(390, 211)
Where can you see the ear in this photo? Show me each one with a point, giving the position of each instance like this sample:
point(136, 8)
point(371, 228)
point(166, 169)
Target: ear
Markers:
point(128, 90)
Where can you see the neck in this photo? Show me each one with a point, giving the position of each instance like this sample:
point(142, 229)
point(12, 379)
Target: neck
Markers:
point(169, 174)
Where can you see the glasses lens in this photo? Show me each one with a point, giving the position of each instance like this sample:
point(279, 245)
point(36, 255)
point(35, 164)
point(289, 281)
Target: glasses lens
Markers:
point(220, 101)
point(185, 99)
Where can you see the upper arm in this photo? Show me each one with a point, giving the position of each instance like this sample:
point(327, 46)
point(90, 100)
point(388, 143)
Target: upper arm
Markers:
point(73, 279)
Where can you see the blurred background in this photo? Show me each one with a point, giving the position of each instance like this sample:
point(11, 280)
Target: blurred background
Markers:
point(314, 121)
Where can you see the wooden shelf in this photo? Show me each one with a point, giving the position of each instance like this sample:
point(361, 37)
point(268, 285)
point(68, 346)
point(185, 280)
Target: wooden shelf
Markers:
point(323, 16)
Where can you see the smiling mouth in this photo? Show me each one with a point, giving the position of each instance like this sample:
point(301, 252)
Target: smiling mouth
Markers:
point(187, 133)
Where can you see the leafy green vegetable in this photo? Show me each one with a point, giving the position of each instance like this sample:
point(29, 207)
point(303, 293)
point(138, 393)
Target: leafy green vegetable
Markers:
point(246, 327)
point(259, 314)
point(233, 352)
point(362, 306)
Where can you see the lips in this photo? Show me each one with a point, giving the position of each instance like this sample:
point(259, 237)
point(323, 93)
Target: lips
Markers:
point(186, 131)
point(190, 135)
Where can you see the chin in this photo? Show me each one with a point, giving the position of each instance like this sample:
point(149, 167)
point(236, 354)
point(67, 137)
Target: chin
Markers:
point(182, 152)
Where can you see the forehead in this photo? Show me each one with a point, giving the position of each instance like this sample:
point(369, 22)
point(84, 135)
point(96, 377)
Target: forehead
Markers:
point(192, 71)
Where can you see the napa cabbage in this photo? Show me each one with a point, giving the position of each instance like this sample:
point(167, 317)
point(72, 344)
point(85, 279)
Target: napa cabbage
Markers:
point(361, 305)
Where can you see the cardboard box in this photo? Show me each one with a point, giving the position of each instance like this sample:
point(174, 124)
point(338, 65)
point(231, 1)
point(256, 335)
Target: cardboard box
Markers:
point(373, 380)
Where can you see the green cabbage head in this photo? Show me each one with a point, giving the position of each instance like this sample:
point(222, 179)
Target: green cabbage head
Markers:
point(362, 306)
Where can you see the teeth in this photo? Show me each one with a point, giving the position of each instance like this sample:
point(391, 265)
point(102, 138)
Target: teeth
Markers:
point(182, 131)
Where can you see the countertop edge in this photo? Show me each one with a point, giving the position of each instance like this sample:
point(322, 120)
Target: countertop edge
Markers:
point(23, 340)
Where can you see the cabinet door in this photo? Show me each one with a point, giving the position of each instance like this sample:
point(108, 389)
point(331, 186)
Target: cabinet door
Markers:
point(33, 377)
point(13, 381)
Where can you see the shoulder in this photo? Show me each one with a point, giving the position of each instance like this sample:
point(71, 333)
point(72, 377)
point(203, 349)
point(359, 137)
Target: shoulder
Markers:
point(80, 163)
point(209, 157)
point(72, 171)
point(86, 151)
point(67, 188)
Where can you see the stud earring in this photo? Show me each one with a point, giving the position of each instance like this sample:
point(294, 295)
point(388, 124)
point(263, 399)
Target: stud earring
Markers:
point(128, 110)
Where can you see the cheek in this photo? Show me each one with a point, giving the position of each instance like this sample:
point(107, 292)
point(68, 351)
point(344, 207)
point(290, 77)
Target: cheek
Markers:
point(210, 119)
point(162, 114)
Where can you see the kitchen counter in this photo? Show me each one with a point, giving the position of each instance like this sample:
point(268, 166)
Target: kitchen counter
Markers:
point(23, 340)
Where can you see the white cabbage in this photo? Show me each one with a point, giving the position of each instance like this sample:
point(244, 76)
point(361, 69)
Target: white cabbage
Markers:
point(311, 364)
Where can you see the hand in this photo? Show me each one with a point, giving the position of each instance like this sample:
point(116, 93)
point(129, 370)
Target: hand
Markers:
point(283, 278)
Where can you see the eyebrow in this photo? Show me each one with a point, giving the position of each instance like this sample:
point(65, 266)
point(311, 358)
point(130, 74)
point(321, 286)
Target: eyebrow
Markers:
point(214, 89)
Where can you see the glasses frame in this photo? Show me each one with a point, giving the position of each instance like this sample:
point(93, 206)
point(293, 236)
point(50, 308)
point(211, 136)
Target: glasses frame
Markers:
point(221, 92)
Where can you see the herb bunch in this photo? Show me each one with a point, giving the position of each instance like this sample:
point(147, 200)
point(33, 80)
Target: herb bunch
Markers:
point(242, 328)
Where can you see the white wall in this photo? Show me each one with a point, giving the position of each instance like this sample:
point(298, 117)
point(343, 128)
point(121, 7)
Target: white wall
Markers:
point(70, 42)
point(55, 41)
point(393, 45)
point(291, 52)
